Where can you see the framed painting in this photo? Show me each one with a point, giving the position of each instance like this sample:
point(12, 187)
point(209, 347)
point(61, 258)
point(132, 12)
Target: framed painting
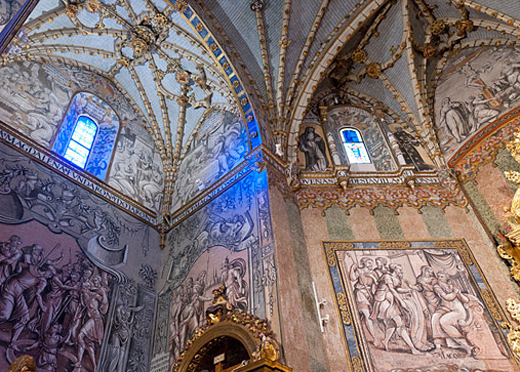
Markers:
point(416, 306)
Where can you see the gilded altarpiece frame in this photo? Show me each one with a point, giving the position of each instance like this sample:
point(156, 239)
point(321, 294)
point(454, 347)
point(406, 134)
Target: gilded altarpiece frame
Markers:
point(416, 306)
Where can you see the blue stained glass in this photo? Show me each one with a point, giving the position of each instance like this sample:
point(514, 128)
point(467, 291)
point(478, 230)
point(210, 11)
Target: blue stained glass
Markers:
point(354, 146)
point(81, 141)
point(350, 135)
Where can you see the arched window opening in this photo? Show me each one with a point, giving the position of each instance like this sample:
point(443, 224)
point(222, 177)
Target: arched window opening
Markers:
point(81, 141)
point(88, 134)
point(354, 146)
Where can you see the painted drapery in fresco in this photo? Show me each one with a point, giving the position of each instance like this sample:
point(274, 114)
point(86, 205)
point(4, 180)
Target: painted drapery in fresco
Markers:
point(229, 241)
point(477, 85)
point(412, 305)
point(70, 294)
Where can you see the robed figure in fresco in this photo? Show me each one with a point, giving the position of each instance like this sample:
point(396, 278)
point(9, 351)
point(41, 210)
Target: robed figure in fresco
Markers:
point(429, 310)
point(408, 145)
point(313, 147)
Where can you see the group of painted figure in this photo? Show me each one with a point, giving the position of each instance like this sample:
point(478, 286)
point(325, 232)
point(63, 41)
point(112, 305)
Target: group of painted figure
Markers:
point(53, 311)
point(431, 315)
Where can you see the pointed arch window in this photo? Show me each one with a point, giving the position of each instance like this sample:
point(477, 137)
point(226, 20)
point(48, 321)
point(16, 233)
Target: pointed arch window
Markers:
point(81, 141)
point(354, 146)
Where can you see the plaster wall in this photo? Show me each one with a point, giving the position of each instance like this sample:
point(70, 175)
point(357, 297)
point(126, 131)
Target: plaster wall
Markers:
point(299, 236)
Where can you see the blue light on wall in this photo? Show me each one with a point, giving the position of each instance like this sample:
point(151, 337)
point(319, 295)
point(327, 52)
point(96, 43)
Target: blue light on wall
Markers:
point(354, 146)
point(81, 141)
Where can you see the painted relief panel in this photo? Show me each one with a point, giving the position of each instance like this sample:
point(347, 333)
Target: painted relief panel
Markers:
point(71, 293)
point(229, 242)
point(349, 116)
point(34, 99)
point(219, 145)
point(8, 9)
point(476, 87)
point(410, 305)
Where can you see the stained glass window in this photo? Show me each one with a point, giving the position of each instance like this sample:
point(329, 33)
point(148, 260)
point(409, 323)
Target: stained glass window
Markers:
point(81, 141)
point(354, 146)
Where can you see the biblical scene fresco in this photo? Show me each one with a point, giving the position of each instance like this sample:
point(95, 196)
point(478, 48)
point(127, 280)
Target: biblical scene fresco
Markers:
point(419, 306)
point(34, 99)
point(219, 145)
point(372, 135)
point(476, 87)
point(137, 170)
point(230, 242)
point(71, 294)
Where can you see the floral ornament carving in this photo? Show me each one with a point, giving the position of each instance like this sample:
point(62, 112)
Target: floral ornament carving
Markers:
point(373, 70)
point(160, 20)
point(93, 6)
point(438, 27)
point(359, 56)
point(513, 337)
point(222, 312)
point(509, 247)
point(464, 26)
point(71, 11)
point(180, 6)
point(429, 51)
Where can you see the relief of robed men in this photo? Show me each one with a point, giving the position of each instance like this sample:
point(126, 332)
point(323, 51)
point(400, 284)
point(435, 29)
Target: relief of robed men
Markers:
point(420, 303)
point(53, 302)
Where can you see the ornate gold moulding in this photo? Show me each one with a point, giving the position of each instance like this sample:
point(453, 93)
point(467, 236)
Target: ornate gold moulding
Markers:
point(509, 248)
point(224, 320)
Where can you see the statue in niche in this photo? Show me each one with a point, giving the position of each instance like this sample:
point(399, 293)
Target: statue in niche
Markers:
point(408, 145)
point(313, 147)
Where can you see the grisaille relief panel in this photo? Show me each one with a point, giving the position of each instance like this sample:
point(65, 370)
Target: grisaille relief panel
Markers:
point(34, 98)
point(414, 306)
point(477, 85)
point(219, 145)
point(230, 242)
point(71, 293)
point(8, 9)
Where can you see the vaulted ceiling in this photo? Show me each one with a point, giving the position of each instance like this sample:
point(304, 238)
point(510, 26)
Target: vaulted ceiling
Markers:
point(154, 51)
point(166, 59)
point(389, 51)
